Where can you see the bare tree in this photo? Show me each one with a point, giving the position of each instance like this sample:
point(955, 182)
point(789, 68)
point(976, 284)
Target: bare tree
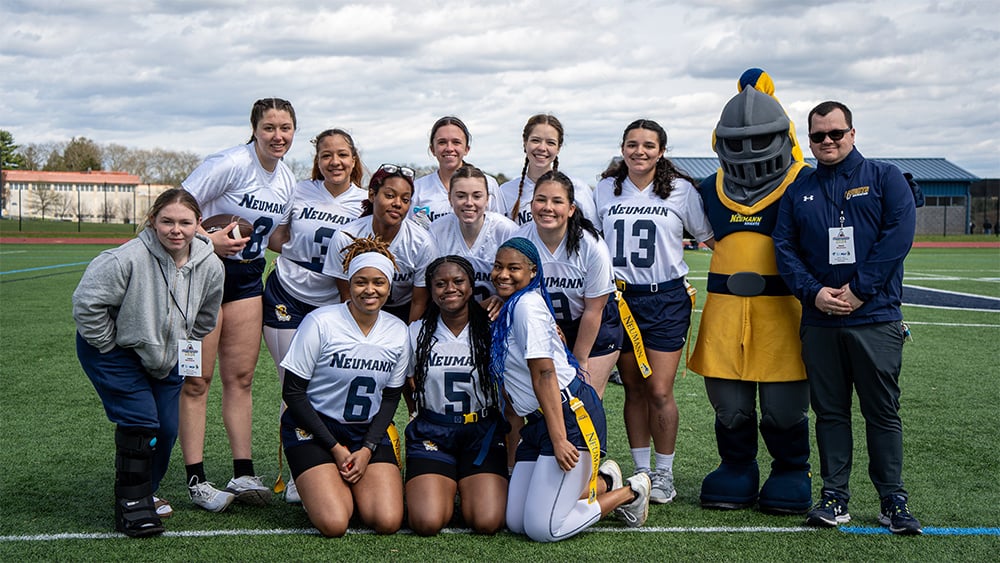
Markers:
point(64, 205)
point(107, 210)
point(125, 208)
point(43, 198)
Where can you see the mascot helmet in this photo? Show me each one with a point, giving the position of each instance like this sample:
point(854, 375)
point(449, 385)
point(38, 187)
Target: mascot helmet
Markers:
point(752, 139)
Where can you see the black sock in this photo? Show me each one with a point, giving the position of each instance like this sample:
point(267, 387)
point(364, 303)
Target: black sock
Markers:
point(242, 467)
point(196, 470)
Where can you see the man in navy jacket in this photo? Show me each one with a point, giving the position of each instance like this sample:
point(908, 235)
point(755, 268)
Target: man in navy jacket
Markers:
point(840, 241)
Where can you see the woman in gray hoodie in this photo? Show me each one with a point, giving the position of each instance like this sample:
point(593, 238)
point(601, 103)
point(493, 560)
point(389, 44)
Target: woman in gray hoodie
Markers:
point(137, 308)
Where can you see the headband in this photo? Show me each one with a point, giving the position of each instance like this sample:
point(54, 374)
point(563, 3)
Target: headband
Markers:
point(371, 260)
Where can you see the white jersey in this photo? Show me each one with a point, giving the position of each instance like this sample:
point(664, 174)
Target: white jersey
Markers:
point(315, 217)
point(532, 335)
point(644, 232)
point(412, 248)
point(233, 182)
point(447, 235)
point(347, 370)
point(570, 279)
point(508, 195)
point(451, 385)
point(430, 197)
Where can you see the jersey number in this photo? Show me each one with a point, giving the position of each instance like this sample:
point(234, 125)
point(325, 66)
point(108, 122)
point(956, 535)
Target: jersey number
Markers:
point(644, 232)
point(455, 395)
point(358, 405)
point(323, 234)
point(261, 227)
point(560, 305)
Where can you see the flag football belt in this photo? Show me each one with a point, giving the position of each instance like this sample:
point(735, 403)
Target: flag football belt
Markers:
point(394, 438)
point(467, 418)
point(628, 321)
point(587, 430)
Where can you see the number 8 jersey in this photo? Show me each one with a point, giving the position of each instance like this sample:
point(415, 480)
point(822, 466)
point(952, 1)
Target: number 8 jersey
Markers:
point(644, 232)
point(346, 369)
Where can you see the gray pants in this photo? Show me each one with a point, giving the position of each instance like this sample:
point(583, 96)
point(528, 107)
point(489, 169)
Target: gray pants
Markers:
point(866, 359)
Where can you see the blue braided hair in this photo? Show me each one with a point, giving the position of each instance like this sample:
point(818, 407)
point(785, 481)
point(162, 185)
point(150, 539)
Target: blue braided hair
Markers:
point(501, 326)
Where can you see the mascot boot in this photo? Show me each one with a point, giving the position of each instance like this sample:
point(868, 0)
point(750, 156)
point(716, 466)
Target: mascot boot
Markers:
point(135, 514)
point(734, 484)
point(788, 490)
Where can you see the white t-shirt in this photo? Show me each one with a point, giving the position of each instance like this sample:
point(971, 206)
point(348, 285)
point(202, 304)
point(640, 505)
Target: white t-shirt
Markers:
point(451, 385)
point(412, 248)
point(233, 182)
point(508, 195)
point(347, 370)
point(645, 232)
point(430, 197)
point(570, 279)
point(532, 335)
point(316, 216)
point(447, 235)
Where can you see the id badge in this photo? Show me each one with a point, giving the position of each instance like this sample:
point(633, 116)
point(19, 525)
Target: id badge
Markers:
point(189, 358)
point(842, 245)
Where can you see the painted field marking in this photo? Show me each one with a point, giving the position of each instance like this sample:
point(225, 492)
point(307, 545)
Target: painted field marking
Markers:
point(861, 530)
point(43, 268)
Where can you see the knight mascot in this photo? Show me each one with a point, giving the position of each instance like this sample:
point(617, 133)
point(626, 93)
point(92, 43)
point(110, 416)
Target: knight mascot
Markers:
point(748, 343)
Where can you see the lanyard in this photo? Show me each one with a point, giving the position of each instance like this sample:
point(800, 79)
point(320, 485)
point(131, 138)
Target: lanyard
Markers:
point(183, 311)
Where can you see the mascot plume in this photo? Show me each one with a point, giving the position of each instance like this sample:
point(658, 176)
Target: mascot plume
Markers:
point(748, 341)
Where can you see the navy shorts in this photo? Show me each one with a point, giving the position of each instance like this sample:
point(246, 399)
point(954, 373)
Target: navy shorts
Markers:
point(243, 279)
point(452, 449)
point(281, 310)
point(535, 439)
point(303, 452)
point(663, 318)
point(609, 336)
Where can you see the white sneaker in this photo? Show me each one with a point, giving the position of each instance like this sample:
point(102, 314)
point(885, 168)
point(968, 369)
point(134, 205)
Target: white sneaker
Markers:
point(163, 508)
point(662, 490)
point(249, 489)
point(611, 470)
point(206, 496)
point(634, 514)
point(292, 493)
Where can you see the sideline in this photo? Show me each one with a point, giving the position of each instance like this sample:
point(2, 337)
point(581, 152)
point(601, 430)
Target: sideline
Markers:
point(44, 268)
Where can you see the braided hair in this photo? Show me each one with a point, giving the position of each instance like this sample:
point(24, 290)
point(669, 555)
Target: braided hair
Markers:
point(534, 121)
point(262, 106)
point(361, 245)
point(576, 224)
point(665, 173)
point(357, 173)
point(505, 319)
point(479, 336)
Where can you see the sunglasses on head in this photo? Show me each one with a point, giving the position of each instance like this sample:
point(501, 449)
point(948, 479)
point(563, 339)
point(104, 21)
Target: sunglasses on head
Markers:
point(395, 169)
point(835, 135)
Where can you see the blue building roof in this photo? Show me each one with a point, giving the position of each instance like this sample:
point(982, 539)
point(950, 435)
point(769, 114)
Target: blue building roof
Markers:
point(923, 169)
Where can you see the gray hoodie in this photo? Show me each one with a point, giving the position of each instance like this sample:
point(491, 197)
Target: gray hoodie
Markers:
point(124, 299)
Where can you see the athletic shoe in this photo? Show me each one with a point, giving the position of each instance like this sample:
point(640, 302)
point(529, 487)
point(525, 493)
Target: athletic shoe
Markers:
point(612, 471)
point(662, 490)
point(292, 493)
point(896, 515)
point(634, 513)
point(828, 512)
point(249, 489)
point(163, 508)
point(206, 496)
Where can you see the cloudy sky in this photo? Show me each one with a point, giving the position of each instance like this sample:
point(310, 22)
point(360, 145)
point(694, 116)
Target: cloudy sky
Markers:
point(920, 75)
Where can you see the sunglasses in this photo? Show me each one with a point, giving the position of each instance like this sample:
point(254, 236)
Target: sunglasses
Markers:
point(390, 169)
point(835, 135)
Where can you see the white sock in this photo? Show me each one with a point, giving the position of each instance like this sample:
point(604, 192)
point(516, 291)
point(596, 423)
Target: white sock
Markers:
point(664, 461)
point(640, 456)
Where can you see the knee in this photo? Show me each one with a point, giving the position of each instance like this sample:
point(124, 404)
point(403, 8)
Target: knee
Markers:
point(195, 387)
point(386, 524)
point(732, 418)
point(485, 524)
point(330, 527)
point(240, 380)
point(424, 524)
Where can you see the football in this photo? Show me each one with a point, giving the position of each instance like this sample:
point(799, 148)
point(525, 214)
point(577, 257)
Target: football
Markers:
point(218, 222)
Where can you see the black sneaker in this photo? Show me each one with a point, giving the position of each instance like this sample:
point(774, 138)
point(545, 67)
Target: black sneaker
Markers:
point(896, 515)
point(828, 512)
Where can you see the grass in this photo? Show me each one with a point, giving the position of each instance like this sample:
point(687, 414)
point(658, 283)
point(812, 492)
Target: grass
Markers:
point(36, 228)
point(57, 450)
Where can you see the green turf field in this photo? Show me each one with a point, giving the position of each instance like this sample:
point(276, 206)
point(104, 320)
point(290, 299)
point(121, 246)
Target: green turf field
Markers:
point(56, 452)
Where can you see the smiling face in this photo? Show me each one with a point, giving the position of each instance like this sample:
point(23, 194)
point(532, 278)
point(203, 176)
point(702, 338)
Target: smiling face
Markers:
point(511, 271)
point(175, 226)
point(335, 161)
point(449, 146)
point(391, 202)
point(369, 290)
point(468, 198)
point(640, 150)
point(273, 135)
point(451, 288)
point(551, 207)
point(542, 146)
point(828, 151)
